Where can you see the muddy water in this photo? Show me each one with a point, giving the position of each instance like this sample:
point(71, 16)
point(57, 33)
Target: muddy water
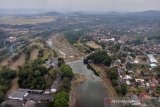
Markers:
point(91, 93)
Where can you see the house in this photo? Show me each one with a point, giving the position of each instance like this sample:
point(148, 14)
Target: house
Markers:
point(128, 83)
point(18, 94)
point(153, 65)
point(52, 62)
point(28, 98)
point(153, 61)
point(127, 77)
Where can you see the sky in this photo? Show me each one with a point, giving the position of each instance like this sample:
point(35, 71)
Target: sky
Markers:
point(83, 5)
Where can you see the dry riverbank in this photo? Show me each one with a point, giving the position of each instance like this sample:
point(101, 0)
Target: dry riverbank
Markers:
point(73, 93)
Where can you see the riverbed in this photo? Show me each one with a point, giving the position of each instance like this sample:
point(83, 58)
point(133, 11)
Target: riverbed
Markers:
point(90, 93)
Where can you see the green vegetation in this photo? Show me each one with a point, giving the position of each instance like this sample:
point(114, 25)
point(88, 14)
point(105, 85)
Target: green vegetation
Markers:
point(61, 62)
point(61, 99)
point(40, 53)
point(15, 57)
point(27, 52)
point(123, 89)
point(66, 71)
point(65, 86)
point(6, 76)
point(158, 89)
point(31, 75)
point(4, 56)
point(99, 57)
point(113, 74)
point(73, 36)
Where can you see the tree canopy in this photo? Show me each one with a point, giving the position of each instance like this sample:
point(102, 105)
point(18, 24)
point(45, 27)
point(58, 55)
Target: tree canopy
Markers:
point(66, 71)
point(31, 75)
point(100, 57)
point(61, 99)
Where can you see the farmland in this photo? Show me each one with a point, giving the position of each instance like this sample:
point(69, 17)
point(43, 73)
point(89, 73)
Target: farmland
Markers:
point(25, 20)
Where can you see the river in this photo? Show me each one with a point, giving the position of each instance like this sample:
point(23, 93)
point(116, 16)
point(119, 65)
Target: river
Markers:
point(91, 93)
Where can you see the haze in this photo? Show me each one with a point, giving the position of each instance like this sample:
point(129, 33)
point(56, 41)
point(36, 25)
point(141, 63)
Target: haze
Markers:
point(83, 5)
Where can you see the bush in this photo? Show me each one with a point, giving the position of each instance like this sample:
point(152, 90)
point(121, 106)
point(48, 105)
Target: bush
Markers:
point(66, 71)
point(61, 99)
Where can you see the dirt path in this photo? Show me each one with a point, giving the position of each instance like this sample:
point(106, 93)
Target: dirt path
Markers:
point(34, 54)
point(73, 94)
point(14, 66)
point(14, 86)
point(18, 62)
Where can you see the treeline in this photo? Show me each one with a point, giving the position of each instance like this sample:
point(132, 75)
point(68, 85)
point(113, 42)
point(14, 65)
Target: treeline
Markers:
point(3, 55)
point(61, 98)
point(99, 57)
point(6, 76)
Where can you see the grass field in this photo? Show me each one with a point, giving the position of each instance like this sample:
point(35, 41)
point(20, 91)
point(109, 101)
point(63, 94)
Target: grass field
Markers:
point(34, 54)
point(22, 20)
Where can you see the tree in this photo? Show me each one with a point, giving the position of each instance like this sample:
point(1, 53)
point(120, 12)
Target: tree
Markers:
point(124, 89)
point(113, 74)
point(61, 62)
point(38, 83)
point(31, 75)
point(61, 99)
point(100, 57)
point(158, 89)
point(2, 95)
point(66, 84)
point(66, 71)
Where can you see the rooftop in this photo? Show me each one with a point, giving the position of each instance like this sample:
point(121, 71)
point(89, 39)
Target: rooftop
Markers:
point(18, 94)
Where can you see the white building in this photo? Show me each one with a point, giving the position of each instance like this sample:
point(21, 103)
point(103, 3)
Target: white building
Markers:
point(152, 59)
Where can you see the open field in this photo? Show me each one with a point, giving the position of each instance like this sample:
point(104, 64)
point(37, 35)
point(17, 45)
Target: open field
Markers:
point(64, 48)
point(18, 62)
point(5, 62)
point(34, 54)
point(23, 20)
point(141, 59)
point(14, 86)
point(94, 45)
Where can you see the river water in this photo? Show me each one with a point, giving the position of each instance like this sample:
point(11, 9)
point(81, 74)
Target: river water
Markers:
point(91, 93)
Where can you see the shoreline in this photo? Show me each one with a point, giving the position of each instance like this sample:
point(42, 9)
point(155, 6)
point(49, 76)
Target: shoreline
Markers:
point(77, 79)
point(106, 82)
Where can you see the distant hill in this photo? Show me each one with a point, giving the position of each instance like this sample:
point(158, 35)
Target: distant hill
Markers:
point(146, 13)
